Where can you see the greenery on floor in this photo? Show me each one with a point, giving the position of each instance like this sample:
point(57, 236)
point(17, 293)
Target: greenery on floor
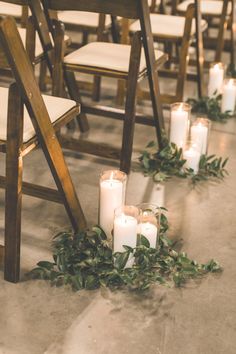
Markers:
point(168, 162)
point(85, 261)
point(210, 107)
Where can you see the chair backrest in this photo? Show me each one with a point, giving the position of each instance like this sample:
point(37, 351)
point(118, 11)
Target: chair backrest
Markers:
point(132, 9)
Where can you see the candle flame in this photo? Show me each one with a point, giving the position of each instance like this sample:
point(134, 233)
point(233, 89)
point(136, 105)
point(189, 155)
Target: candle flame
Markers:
point(180, 108)
point(112, 175)
point(217, 66)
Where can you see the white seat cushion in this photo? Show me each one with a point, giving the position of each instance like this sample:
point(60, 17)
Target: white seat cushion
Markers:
point(208, 7)
point(167, 25)
point(38, 46)
point(56, 107)
point(105, 55)
point(157, 2)
point(89, 19)
point(10, 9)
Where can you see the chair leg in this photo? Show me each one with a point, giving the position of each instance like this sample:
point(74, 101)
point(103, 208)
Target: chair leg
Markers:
point(199, 50)
point(221, 33)
point(13, 194)
point(42, 75)
point(183, 56)
point(75, 95)
point(96, 88)
point(152, 74)
point(130, 104)
point(233, 35)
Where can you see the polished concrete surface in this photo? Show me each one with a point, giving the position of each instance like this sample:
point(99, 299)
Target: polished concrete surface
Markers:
point(198, 319)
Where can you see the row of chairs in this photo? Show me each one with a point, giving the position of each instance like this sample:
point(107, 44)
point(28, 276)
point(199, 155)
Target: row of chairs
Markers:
point(45, 38)
point(23, 130)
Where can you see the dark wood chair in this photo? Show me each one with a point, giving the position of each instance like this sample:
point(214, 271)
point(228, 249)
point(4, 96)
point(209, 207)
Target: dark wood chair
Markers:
point(21, 130)
point(177, 33)
point(128, 63)
point(220, 16)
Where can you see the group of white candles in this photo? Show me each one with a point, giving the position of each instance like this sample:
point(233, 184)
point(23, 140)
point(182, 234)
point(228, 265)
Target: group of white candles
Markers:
point(219, 85)
point(124, 223)
point(180, 131)
point(198, 133)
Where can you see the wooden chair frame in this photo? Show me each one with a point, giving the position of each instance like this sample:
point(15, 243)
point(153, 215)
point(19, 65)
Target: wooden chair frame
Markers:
point(220, 43)
point(26, 91)
point(183, 43)
point(136, 9)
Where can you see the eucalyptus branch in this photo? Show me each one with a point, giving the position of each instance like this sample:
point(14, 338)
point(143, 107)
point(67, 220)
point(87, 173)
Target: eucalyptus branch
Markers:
point(210, 166)
point(163, 164)
point(85, 261)
point(210, 107)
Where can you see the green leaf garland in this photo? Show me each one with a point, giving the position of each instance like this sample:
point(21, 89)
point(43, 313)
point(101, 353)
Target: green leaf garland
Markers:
point(168, 162)
point(85, 261)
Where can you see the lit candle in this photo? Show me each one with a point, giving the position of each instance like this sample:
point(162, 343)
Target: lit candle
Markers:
point(149, 230)
point(112, 192)
point(192, 157)
point(228, 96)
point(179, 123)
point(125, 230)
point(216, 77)
point(199, 134)
point(149, 221)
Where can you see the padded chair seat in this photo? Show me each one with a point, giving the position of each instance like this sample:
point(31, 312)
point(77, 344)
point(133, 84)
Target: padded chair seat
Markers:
point(38, 46)
point(208, 7)
point(158, 2)
point(56, 108)
point(87, 19)
point(105, 55)
point(167, 25)
point(10, 9)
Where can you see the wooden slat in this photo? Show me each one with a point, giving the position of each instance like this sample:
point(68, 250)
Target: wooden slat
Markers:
point(116, 113)
point(34, 190)
point(88, 147)
point(121, 8)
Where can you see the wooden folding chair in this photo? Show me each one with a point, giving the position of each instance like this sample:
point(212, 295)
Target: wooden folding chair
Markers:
point(21, 131)
point(117, 61)
point(220, 15)
point(181, 31)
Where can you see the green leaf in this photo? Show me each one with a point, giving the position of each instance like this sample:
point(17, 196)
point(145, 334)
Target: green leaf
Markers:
point(121, 259)
point(46, 265)
point(144, 241)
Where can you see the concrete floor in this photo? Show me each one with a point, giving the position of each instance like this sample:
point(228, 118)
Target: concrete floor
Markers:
point(198, 319)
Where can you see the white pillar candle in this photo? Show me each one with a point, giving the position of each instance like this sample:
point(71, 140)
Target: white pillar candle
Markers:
point(179, 123)
point(199, 135)
point(192, 158)
point(111, 197)
point(125, 234)
point(149, 230)
point(228, 96)
point(216, 77)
